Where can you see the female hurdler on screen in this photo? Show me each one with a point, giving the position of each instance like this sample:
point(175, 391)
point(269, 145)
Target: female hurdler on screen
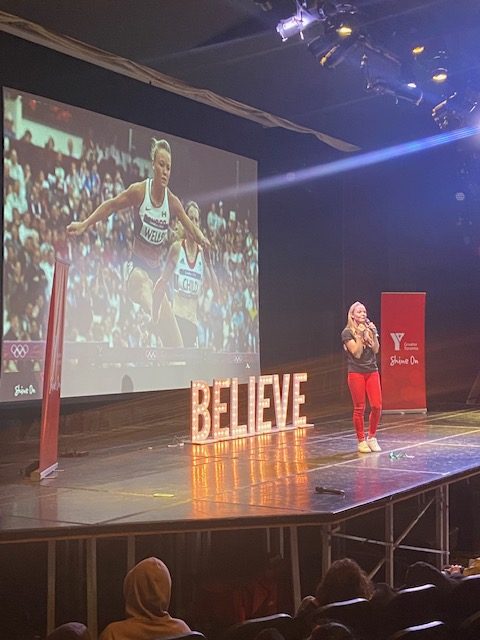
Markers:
point(154, 208)
point(192, 272)
point(360, 342)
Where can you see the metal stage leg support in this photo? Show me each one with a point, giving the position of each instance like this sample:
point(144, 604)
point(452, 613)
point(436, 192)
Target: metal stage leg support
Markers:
point(326, 548)
point(443, 523)
point(51, 579)
point(130, 552)
point(92, 617)
point(275, 541)
point(181, 562)
point(199, 554)
point(389, 545)
point(297, 593)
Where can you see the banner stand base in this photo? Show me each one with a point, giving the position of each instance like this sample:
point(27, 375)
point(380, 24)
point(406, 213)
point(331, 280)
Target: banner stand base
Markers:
point(38, 475)
point(402, 411)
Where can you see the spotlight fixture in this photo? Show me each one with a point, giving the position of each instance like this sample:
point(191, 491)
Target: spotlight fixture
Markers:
point(457, 111)
point(304, 16)
point(439, 67)
point(310, 11)
point(439, 75)
point(400, 91)
point(338, 8)
point(344, 30)
point(344, 21)
point(330, 49)
point(407, 75)
point(418, 49)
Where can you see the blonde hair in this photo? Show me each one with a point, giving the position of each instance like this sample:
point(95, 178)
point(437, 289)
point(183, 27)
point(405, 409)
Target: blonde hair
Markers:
point(350, 323)
point(159, 144)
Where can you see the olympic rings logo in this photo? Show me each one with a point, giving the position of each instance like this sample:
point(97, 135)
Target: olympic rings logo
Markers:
point(19, 350)
point(151, 355)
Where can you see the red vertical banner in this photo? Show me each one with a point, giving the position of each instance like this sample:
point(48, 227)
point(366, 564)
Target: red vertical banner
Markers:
point(52, 374)
point(403, 352)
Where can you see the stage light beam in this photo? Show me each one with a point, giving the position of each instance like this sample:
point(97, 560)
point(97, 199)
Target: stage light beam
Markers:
point(347, 164)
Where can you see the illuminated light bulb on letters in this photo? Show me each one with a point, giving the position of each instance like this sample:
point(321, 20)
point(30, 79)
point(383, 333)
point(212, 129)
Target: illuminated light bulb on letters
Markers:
point(251, 405)
point(205, 424)
point(236, 430)
point(200, 408)
point(219, 408)
point(281, 402)
point(297, 420)
point(263, 403)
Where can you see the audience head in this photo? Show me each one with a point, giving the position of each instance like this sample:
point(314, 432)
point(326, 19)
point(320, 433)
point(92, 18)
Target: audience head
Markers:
point(147, 589)
point(420, 573)
point(344, 580)
point(70, 631)
point(332, 631)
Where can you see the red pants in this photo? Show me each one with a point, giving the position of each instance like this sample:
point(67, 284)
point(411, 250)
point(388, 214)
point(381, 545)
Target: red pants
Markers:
point(361, 385)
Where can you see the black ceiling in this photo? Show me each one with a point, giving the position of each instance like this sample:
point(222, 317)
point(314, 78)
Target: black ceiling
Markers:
point(232, 48)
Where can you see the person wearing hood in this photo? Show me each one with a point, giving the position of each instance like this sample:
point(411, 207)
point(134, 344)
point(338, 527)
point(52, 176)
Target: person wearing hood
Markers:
point(146, 589)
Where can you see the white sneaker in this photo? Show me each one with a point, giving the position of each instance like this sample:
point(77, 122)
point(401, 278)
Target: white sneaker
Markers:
point(373, 445)
point(363, 447)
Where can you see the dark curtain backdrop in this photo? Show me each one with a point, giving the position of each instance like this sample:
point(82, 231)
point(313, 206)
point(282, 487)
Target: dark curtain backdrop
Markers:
point(323, 243)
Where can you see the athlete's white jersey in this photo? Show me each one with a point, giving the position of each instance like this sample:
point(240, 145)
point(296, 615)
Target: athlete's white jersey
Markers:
point(150, 222)
point(188, 275)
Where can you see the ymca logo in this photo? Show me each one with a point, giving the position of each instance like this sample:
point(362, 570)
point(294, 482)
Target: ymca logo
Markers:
point(397, 339)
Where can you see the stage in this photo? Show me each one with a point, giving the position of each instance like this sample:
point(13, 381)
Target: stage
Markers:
point(128, 484)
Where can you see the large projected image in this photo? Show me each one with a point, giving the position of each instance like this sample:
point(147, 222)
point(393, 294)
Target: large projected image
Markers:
point(161, 235)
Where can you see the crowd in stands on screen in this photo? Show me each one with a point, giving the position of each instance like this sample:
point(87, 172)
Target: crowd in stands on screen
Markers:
point(45, 189)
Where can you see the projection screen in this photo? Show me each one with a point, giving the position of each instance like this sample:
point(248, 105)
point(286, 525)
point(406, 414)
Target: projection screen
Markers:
point(163, 280)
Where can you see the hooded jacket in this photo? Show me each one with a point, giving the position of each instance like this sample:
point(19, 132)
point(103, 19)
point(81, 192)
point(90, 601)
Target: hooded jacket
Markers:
point(146, 589)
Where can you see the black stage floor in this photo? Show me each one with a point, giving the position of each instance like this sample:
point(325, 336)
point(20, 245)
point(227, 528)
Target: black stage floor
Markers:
point(136, 483)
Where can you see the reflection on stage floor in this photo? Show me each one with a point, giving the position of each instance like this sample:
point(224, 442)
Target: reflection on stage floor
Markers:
point(164, 483)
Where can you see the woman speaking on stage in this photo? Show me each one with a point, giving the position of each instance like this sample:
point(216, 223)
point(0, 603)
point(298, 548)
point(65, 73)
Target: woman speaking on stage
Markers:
point(360, 342)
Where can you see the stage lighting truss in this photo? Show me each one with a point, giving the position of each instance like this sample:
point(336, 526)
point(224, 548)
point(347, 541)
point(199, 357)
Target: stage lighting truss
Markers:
point(385, 73)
